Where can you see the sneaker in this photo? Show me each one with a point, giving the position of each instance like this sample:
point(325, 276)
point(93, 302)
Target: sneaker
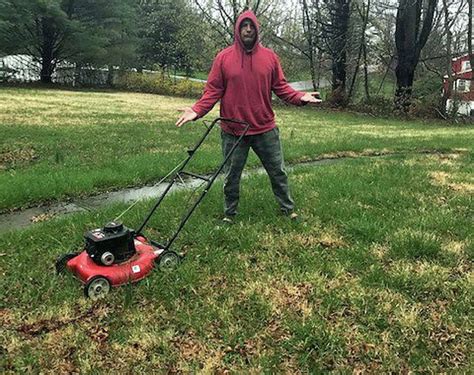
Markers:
point(228, 220)
point(293, 216)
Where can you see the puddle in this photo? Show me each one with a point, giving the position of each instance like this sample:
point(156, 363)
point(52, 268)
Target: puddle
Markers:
point(25, 218)
point(30, 216)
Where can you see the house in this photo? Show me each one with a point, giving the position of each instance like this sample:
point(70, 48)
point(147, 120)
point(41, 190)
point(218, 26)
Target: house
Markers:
point(462, 90)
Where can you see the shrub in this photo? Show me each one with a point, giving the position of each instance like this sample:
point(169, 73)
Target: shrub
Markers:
point(157, 83)
point(426, 107)
point(375, 105)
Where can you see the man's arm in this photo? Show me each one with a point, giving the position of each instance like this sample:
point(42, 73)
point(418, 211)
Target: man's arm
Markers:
point(286, 93)
point(213, 91)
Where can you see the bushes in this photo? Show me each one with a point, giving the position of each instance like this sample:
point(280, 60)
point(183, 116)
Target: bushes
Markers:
point(376, 105)
point(427, 107)
point(157, 83)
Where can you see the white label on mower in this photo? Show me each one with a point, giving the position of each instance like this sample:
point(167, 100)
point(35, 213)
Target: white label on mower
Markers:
point(136, 268)
point(97, 233)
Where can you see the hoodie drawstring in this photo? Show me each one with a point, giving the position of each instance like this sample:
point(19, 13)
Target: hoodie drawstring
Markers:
point(242, 61)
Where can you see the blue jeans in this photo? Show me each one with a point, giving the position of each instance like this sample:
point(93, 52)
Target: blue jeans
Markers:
point(267, 146)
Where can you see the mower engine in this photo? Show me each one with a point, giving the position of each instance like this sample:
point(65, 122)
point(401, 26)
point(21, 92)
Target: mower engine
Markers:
point(112, 244)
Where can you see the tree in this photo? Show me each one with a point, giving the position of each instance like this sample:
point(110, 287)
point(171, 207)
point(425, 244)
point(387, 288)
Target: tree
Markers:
point(413, 26)
point(53, 31)
point(312, 33)
point(326, 29)
point(364, 15)
point(335, 32)
point(325, 25)
point(469, 38)
point(173, 35)
point(222, 15)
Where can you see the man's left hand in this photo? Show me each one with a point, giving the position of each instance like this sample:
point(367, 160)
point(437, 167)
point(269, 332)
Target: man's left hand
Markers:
point(311, 97)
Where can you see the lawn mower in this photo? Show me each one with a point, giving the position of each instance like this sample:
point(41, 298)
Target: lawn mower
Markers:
point(115, 255)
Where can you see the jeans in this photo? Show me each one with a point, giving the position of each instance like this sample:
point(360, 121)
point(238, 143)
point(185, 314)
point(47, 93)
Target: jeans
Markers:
point(267, 146)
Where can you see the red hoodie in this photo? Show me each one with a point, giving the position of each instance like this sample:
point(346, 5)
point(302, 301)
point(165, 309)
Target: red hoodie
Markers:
point(244, 82)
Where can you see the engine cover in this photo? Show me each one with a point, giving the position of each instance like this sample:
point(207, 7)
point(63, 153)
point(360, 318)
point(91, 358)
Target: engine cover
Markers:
point(110, 245)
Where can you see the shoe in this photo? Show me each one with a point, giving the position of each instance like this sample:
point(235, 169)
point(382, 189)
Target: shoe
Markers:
point(293, 216)
point(228, 220)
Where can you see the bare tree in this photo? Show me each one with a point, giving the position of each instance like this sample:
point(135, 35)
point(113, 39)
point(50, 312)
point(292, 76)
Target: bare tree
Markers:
point(469, 38)
point(222, 14)
point(363, 12)
point(335, 34)
point(312, 32)
point(450, 12)
point(413, 26)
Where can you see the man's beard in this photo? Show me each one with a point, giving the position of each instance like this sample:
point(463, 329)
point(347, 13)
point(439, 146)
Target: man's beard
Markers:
point(249, 43)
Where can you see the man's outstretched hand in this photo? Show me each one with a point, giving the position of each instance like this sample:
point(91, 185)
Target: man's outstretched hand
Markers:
point(187, 115)
point(311, 97)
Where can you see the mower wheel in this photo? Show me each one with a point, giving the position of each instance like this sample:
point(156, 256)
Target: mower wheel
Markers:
point(168, 261)
point(62, 260)
point(97, 287)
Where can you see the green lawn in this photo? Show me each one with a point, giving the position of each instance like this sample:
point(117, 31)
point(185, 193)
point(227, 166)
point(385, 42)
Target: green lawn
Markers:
point(58, 144)
point(375, 277)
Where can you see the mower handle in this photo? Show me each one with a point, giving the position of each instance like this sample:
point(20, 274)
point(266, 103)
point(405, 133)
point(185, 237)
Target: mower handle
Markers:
point(245, 124)
point(183, 165)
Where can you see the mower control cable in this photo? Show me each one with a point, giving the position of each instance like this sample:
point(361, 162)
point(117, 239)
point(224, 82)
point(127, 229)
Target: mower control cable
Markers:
point(158, 183)
point(207, 126)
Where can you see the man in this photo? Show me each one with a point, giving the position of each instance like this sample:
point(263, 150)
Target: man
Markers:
point(242, 77)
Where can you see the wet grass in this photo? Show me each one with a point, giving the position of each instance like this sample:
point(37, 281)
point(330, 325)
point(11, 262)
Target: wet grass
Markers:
point(375, 277)
point(57, 144)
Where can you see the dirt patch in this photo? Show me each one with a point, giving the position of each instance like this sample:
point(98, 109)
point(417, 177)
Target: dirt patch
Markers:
point(328, 239)
point(189, 347)
point(293, 297)
point(283, 296)
point(43, 326)
point(42, 217)
point(443, 179)
point(439, 178)
point(448, 344)
point(379, 250)
point(448, 159)
point(355, 154)
point(454, 247)
point(15, 156)
point(462, 187)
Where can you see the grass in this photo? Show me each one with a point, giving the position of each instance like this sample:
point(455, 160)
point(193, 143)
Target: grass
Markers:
point(58, 144)
point(375, 277)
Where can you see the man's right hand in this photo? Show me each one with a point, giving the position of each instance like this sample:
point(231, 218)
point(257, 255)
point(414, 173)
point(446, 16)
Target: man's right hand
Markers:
point(187, 115)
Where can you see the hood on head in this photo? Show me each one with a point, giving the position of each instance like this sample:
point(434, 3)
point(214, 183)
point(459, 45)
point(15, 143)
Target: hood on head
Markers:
point(250, 15)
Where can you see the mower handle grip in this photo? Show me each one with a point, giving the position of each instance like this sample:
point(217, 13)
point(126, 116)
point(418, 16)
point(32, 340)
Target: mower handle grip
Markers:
point(235, 121)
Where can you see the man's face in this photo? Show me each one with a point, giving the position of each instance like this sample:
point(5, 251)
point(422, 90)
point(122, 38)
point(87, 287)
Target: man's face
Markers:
point(248, 33)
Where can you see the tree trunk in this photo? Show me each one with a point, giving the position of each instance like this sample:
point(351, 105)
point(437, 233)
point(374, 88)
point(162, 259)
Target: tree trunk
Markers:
point(110, 75)
point(410, 40)
point(364, 14)
point(47, 49)
point(448, 61)
point(366, 74)
point(405, 71)
point(308, 28)
point(469, 40)
point(340, 15)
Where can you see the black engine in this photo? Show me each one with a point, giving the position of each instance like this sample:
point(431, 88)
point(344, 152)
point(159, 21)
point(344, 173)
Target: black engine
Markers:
point(111, 244)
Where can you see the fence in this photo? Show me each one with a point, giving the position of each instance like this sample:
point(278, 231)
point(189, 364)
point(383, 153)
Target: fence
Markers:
point(25, 69)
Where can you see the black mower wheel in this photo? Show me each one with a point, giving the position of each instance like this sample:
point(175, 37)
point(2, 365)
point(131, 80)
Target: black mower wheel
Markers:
point(168, 261)
point(97, 287)
point(62, 260)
